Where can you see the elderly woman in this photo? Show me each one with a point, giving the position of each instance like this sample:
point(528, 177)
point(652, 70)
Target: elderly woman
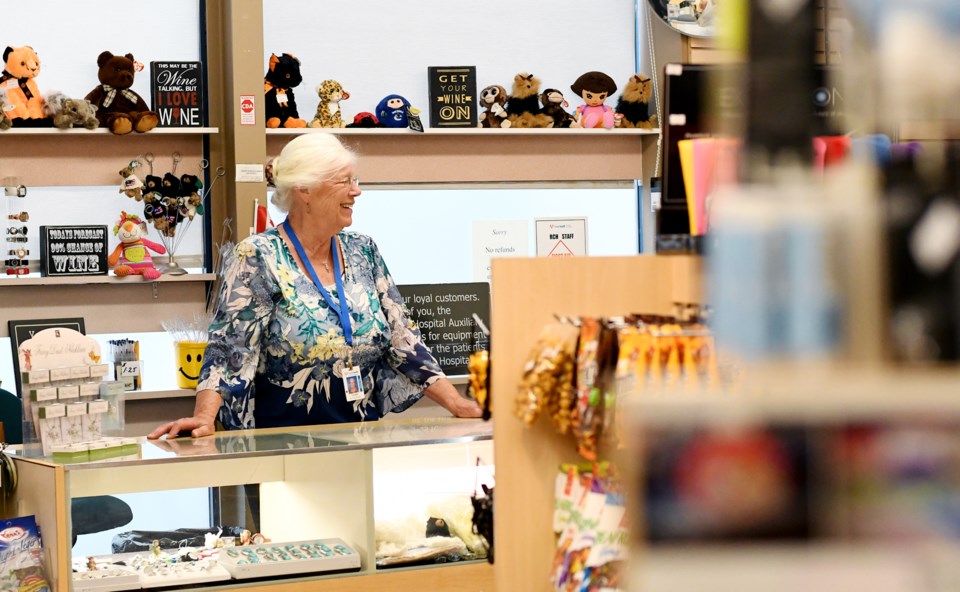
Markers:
point(306, 309)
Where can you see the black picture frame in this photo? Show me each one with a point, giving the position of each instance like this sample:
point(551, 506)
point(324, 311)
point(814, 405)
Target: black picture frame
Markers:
point(21, 331)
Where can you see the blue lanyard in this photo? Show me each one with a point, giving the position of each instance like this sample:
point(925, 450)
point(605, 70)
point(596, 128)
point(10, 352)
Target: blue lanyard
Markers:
point(344, 313)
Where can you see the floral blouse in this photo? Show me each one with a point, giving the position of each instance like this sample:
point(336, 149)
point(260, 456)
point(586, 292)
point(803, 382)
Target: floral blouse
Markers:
point(277, 351)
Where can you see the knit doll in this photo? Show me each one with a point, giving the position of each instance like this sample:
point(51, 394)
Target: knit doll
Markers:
point(132, 257)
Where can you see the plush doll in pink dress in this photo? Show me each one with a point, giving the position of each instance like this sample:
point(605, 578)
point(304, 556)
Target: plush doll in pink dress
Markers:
point(132, 255)
point(594, 88)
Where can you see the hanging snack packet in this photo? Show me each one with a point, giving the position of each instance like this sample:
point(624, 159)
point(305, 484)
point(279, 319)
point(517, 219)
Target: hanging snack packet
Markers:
point(542, 384)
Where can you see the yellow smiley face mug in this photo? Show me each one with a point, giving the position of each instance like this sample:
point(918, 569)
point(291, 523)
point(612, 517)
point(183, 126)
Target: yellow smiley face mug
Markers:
point(189, 361)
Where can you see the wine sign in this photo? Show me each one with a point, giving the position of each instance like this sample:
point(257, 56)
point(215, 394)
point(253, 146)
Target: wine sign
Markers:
point(453, 96)
point(176, 90)
point(73, 250)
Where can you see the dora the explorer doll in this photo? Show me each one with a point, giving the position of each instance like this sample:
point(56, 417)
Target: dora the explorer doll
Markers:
point(594, 88)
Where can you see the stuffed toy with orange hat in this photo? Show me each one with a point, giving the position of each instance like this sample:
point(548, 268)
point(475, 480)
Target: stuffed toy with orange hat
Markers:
point(132, 255)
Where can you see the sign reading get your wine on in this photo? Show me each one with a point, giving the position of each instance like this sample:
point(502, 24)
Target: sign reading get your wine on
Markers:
point(176, 90)
point(453, 96)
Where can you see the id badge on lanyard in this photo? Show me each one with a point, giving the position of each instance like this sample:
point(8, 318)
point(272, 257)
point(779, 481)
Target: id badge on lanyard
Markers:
point(352, 379)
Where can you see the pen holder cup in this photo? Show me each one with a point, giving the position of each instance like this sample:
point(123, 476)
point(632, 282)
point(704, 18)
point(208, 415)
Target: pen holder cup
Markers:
point(189, 360)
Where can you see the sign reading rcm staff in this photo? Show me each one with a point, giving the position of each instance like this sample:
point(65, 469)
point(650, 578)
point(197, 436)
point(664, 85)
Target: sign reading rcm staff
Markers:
point(444, 314)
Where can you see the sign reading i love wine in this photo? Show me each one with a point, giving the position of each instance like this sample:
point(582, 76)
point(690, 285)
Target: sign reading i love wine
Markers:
point(176, 90)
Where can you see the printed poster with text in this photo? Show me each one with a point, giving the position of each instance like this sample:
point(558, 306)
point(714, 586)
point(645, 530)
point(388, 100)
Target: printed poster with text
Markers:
point(503, 238)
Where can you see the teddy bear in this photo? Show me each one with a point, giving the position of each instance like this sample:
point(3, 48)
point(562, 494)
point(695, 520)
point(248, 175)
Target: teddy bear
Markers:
point(120, 109)
point(633, 107)
point(553, 106)
point(67, 113)
point(24, 105)
point(281, 106)
point(131, 186)
point(492, 99)
point(523, 105)
point(191, 201)
point(132, 255)
point(328, 111)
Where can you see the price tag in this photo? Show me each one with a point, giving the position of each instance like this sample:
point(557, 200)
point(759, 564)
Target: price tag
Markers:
point(129, 368)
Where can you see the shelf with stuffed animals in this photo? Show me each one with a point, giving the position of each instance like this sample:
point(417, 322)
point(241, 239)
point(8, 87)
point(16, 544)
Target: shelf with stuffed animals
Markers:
point(489, 134)
point(79, 131)
point(463, 131)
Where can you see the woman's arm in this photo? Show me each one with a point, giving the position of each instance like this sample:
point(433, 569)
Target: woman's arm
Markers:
point(444, 393)
point(201, 424)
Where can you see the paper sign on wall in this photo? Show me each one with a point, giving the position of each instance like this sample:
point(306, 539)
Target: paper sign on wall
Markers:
point(248, 114)
point(504, 238)
point(561, 237)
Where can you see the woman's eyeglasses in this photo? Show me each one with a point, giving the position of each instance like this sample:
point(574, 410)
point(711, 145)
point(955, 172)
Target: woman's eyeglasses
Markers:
point(348, 181)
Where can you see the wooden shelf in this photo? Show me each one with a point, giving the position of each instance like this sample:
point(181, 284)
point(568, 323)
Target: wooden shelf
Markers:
point(21, 281)
point(138, 307)
point(471, 131)
point(814, 394)
point(491, 155)
point(79, 131)
point(935, 131)
point(158, 395)
point(50, 157)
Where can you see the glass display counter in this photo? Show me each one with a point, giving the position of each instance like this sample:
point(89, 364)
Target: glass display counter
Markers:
point(317, 482)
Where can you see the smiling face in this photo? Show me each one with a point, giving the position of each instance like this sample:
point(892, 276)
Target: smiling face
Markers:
point(331, 202)
point(594, 99)
point(189, 363)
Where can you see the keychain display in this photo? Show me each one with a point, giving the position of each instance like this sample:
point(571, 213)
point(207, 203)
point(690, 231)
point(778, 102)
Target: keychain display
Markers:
point(170, 202)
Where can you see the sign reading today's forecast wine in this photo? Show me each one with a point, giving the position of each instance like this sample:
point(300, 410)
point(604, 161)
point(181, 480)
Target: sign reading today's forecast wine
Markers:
point(176, 91)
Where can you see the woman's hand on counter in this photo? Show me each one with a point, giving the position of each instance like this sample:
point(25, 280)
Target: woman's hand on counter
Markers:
point(201, 424)
point(447, 395)
point(194, 427)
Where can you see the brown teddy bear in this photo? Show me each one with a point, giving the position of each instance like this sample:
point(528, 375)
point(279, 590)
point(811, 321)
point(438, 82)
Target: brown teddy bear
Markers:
point(67, 112)
point(23, 101)
point(523, 106)
point(119, 108)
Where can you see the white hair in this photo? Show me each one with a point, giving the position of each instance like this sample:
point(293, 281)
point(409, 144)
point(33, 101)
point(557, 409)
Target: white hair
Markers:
point(307, 160)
